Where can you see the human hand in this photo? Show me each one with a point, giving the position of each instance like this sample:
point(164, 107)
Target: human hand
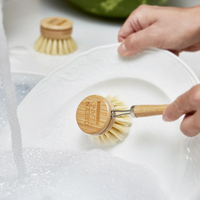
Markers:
point(187, 104)
point(174, 29)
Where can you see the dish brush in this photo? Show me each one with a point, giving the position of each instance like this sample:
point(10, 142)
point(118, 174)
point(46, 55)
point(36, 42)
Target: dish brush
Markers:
point(108, 119)
point(55, 38)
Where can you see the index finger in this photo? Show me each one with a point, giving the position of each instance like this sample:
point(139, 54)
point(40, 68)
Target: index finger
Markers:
point(139, 19)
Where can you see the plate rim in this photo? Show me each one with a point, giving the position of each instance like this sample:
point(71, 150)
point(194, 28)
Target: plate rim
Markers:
point(189, 70)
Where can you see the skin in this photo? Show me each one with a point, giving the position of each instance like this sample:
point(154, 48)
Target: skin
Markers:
point(174, 29)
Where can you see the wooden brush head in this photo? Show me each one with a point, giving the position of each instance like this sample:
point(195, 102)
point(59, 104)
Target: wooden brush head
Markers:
point(56, 27)
point(94, 115)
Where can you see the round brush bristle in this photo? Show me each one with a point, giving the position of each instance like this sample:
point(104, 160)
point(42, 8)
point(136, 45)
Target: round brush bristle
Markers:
point(120, 128)
point(55, 46)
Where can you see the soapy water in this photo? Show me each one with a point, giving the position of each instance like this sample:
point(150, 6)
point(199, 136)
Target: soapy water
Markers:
point(94, 174)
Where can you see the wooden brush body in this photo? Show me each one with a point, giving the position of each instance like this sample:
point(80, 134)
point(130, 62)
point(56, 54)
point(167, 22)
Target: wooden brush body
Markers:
point(55, 36)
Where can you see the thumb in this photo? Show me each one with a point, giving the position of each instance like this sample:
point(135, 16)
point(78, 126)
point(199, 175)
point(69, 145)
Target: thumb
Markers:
point(139, 41)
point(187, 103)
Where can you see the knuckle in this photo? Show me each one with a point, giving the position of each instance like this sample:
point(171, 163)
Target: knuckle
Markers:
point(133, 13)
point(143, 8)
point(140, 10)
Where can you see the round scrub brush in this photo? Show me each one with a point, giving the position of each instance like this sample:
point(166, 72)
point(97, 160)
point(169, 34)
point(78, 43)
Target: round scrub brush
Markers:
point(55, 36)
point(94, 116)
point(108, 120)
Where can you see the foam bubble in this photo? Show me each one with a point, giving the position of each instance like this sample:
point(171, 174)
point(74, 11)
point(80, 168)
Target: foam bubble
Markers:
point(92, 174)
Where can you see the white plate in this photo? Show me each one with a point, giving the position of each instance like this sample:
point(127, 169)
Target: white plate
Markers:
point(47, 114)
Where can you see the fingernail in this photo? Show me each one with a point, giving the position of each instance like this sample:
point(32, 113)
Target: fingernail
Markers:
point(122, 50)
point(165, 118)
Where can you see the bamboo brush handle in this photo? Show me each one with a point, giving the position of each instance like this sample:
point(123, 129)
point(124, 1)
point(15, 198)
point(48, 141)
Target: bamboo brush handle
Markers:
point(148, 110)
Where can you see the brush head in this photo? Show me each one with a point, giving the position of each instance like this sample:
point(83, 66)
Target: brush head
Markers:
point(94, 117)
point(55, 36)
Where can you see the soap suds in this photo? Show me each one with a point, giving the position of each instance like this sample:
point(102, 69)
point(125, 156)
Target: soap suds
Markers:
point(93, 174)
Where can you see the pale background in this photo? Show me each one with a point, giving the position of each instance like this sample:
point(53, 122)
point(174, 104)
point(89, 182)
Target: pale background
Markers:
point(21, 21)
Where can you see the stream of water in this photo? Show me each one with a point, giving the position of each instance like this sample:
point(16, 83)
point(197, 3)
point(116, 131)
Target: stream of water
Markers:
point(11, 103)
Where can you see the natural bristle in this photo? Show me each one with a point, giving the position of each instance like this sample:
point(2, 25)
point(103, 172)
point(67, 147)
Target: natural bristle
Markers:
point(55, 46)
point(120, 128)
